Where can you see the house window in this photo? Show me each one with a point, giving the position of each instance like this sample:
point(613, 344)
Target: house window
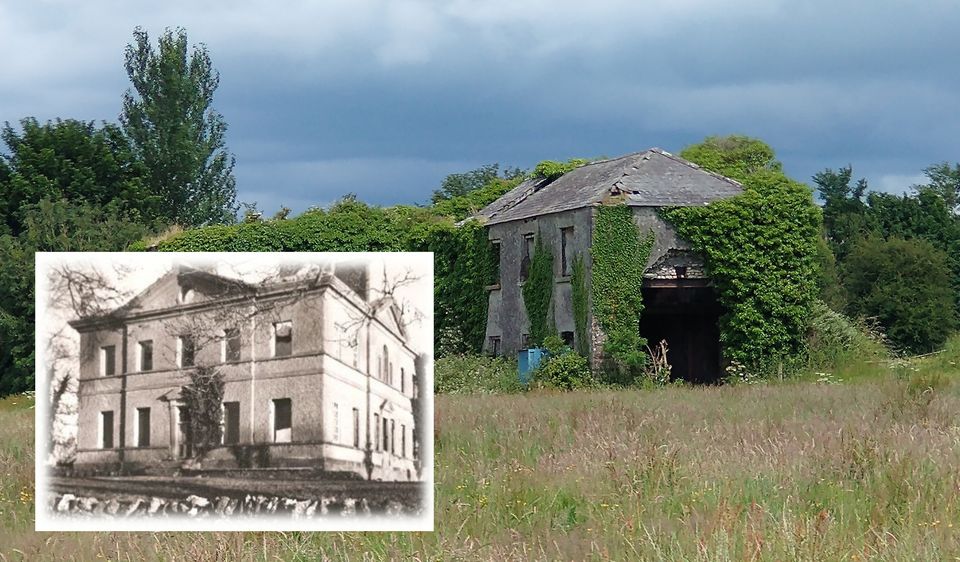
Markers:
point(183, 439)
point(384, 364)
point(186, 349)
point(403, 381)
point(524, 341)
point(494, 345)
point(283, 339)
point(143, 427)
point(108, 360)
point(403, 440)
point(566, 250)
point(567, 338)
point(390, 373)
point(527, 255)
point(230, 434)
point(386, 436)
point(186, 295)
point(281, 412)
point(495, 251)
point(376, 429)
point(145, 350)
point(231, 345)
point(336, 422)
point(356, 427)
point(393, 438)
point(106, 429)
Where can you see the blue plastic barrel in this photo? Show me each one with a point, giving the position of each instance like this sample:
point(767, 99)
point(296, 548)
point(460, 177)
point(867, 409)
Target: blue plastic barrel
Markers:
point(527, 362)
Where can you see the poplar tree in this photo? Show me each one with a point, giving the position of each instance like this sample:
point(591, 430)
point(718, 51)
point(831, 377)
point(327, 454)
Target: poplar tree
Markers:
point(174, 130)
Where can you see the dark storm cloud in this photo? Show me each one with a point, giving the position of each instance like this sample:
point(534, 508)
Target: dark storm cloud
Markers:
point(383, 99)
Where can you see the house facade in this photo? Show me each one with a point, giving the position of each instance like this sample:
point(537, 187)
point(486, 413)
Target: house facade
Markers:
point(680, 305)
point(316, 375)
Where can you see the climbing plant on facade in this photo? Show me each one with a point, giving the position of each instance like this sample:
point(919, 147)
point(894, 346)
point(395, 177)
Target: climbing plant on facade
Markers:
point(761, 251)
point(620, 252)
point(538, 292)
point(578, 290)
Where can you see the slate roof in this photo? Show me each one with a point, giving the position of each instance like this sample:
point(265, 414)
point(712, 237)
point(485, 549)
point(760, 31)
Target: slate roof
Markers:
point(652, 178)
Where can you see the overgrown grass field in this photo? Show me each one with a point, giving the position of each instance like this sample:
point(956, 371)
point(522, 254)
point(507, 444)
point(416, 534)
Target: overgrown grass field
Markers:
point(868, 470)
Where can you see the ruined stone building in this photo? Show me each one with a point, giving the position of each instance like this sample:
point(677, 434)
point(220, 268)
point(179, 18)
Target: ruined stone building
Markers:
point(680, 304)
point(317, 374)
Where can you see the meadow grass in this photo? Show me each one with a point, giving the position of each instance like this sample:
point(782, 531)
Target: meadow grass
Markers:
point(790, 471)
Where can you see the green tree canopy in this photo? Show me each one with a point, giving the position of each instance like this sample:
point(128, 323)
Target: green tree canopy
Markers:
point(174, 130)
point(918, 314)
point(461, 184)
point(734, 156)
point(69, 160)
point(944, 180)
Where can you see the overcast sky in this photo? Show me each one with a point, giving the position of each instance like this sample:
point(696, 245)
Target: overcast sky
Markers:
point(384, 99)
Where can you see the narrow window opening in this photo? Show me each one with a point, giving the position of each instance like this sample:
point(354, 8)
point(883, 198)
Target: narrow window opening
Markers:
point(231, 423)
point(283, 339)
point(282, 420)
point(494, 345)
point(106, 429)
point(566, 253)
point(528, 248)
point(186, 349)
point(336, 422)
point(231, 345)
point(356, 427)
point(146, 355)
point(143, 427)
point(108, 360)
point(386, 436)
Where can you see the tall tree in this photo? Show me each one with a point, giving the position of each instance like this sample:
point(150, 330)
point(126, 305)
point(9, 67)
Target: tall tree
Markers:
point(844, 211)
point(174, 130)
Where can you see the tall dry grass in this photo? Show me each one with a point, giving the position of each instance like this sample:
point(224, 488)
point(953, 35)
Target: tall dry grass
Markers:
point(793, 471)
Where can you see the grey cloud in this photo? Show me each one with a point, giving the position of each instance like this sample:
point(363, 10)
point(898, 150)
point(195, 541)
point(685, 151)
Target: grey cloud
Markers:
point(322, 97)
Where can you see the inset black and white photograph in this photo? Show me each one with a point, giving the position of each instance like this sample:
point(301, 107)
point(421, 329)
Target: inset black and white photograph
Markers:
point(234, 391)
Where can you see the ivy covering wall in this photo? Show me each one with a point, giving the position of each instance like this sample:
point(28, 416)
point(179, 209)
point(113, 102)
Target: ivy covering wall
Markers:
point(620, 253)
point(538, 292)
point(761, 251)
point(578, 292)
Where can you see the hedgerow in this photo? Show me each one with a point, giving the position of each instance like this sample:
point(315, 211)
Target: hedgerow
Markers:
point(463, 263)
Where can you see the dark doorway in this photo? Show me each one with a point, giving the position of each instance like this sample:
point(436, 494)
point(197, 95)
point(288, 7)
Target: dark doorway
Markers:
point(685, 313)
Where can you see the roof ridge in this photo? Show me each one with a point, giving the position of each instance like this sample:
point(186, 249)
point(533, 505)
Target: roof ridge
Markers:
point(694, 165)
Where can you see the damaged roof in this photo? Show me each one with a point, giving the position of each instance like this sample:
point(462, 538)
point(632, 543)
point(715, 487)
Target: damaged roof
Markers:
point(652, 178)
